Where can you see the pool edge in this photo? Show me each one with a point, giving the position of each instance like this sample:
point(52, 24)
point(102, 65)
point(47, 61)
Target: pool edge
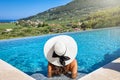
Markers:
point(107, 72)
point(9, 72)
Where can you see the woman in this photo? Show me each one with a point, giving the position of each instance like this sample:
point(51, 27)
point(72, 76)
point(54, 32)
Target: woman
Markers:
point(60, 52)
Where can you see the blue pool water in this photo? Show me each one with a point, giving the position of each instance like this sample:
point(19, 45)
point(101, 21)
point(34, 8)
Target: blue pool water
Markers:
point(95, 49)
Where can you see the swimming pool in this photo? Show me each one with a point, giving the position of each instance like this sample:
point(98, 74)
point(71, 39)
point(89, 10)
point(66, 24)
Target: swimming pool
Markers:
point(95, 49)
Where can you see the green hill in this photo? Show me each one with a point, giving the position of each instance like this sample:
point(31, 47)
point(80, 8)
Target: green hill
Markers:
point(67, 18)
point(73, 11)
point(103, 18)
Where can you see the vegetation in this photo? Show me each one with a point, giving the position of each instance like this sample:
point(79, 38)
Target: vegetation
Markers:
point(20, 31)
point(103, 18)
point(7, 25)
point(75, 16)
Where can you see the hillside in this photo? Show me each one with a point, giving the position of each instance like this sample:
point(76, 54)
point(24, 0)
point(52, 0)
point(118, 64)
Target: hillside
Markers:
point(68, 18)
point(74, 10)
point(103, 18)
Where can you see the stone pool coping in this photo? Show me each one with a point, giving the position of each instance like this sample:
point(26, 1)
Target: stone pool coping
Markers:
point(8, 72)
point(111, 71)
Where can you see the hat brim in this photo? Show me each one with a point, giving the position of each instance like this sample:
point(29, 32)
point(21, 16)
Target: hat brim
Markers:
point(70, 52)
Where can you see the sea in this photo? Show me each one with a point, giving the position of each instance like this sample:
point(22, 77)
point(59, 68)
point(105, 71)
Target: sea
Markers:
point(7, 21)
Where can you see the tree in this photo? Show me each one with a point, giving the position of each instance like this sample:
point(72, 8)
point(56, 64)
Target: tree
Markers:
point(83, 26)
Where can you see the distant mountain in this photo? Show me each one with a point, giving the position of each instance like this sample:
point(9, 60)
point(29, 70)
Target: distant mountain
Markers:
point(74, 10)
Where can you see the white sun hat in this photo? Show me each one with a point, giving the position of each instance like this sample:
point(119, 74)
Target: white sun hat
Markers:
point(60, 50)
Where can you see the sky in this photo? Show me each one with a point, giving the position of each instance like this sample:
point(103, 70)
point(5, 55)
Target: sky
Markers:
point(16, 9)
